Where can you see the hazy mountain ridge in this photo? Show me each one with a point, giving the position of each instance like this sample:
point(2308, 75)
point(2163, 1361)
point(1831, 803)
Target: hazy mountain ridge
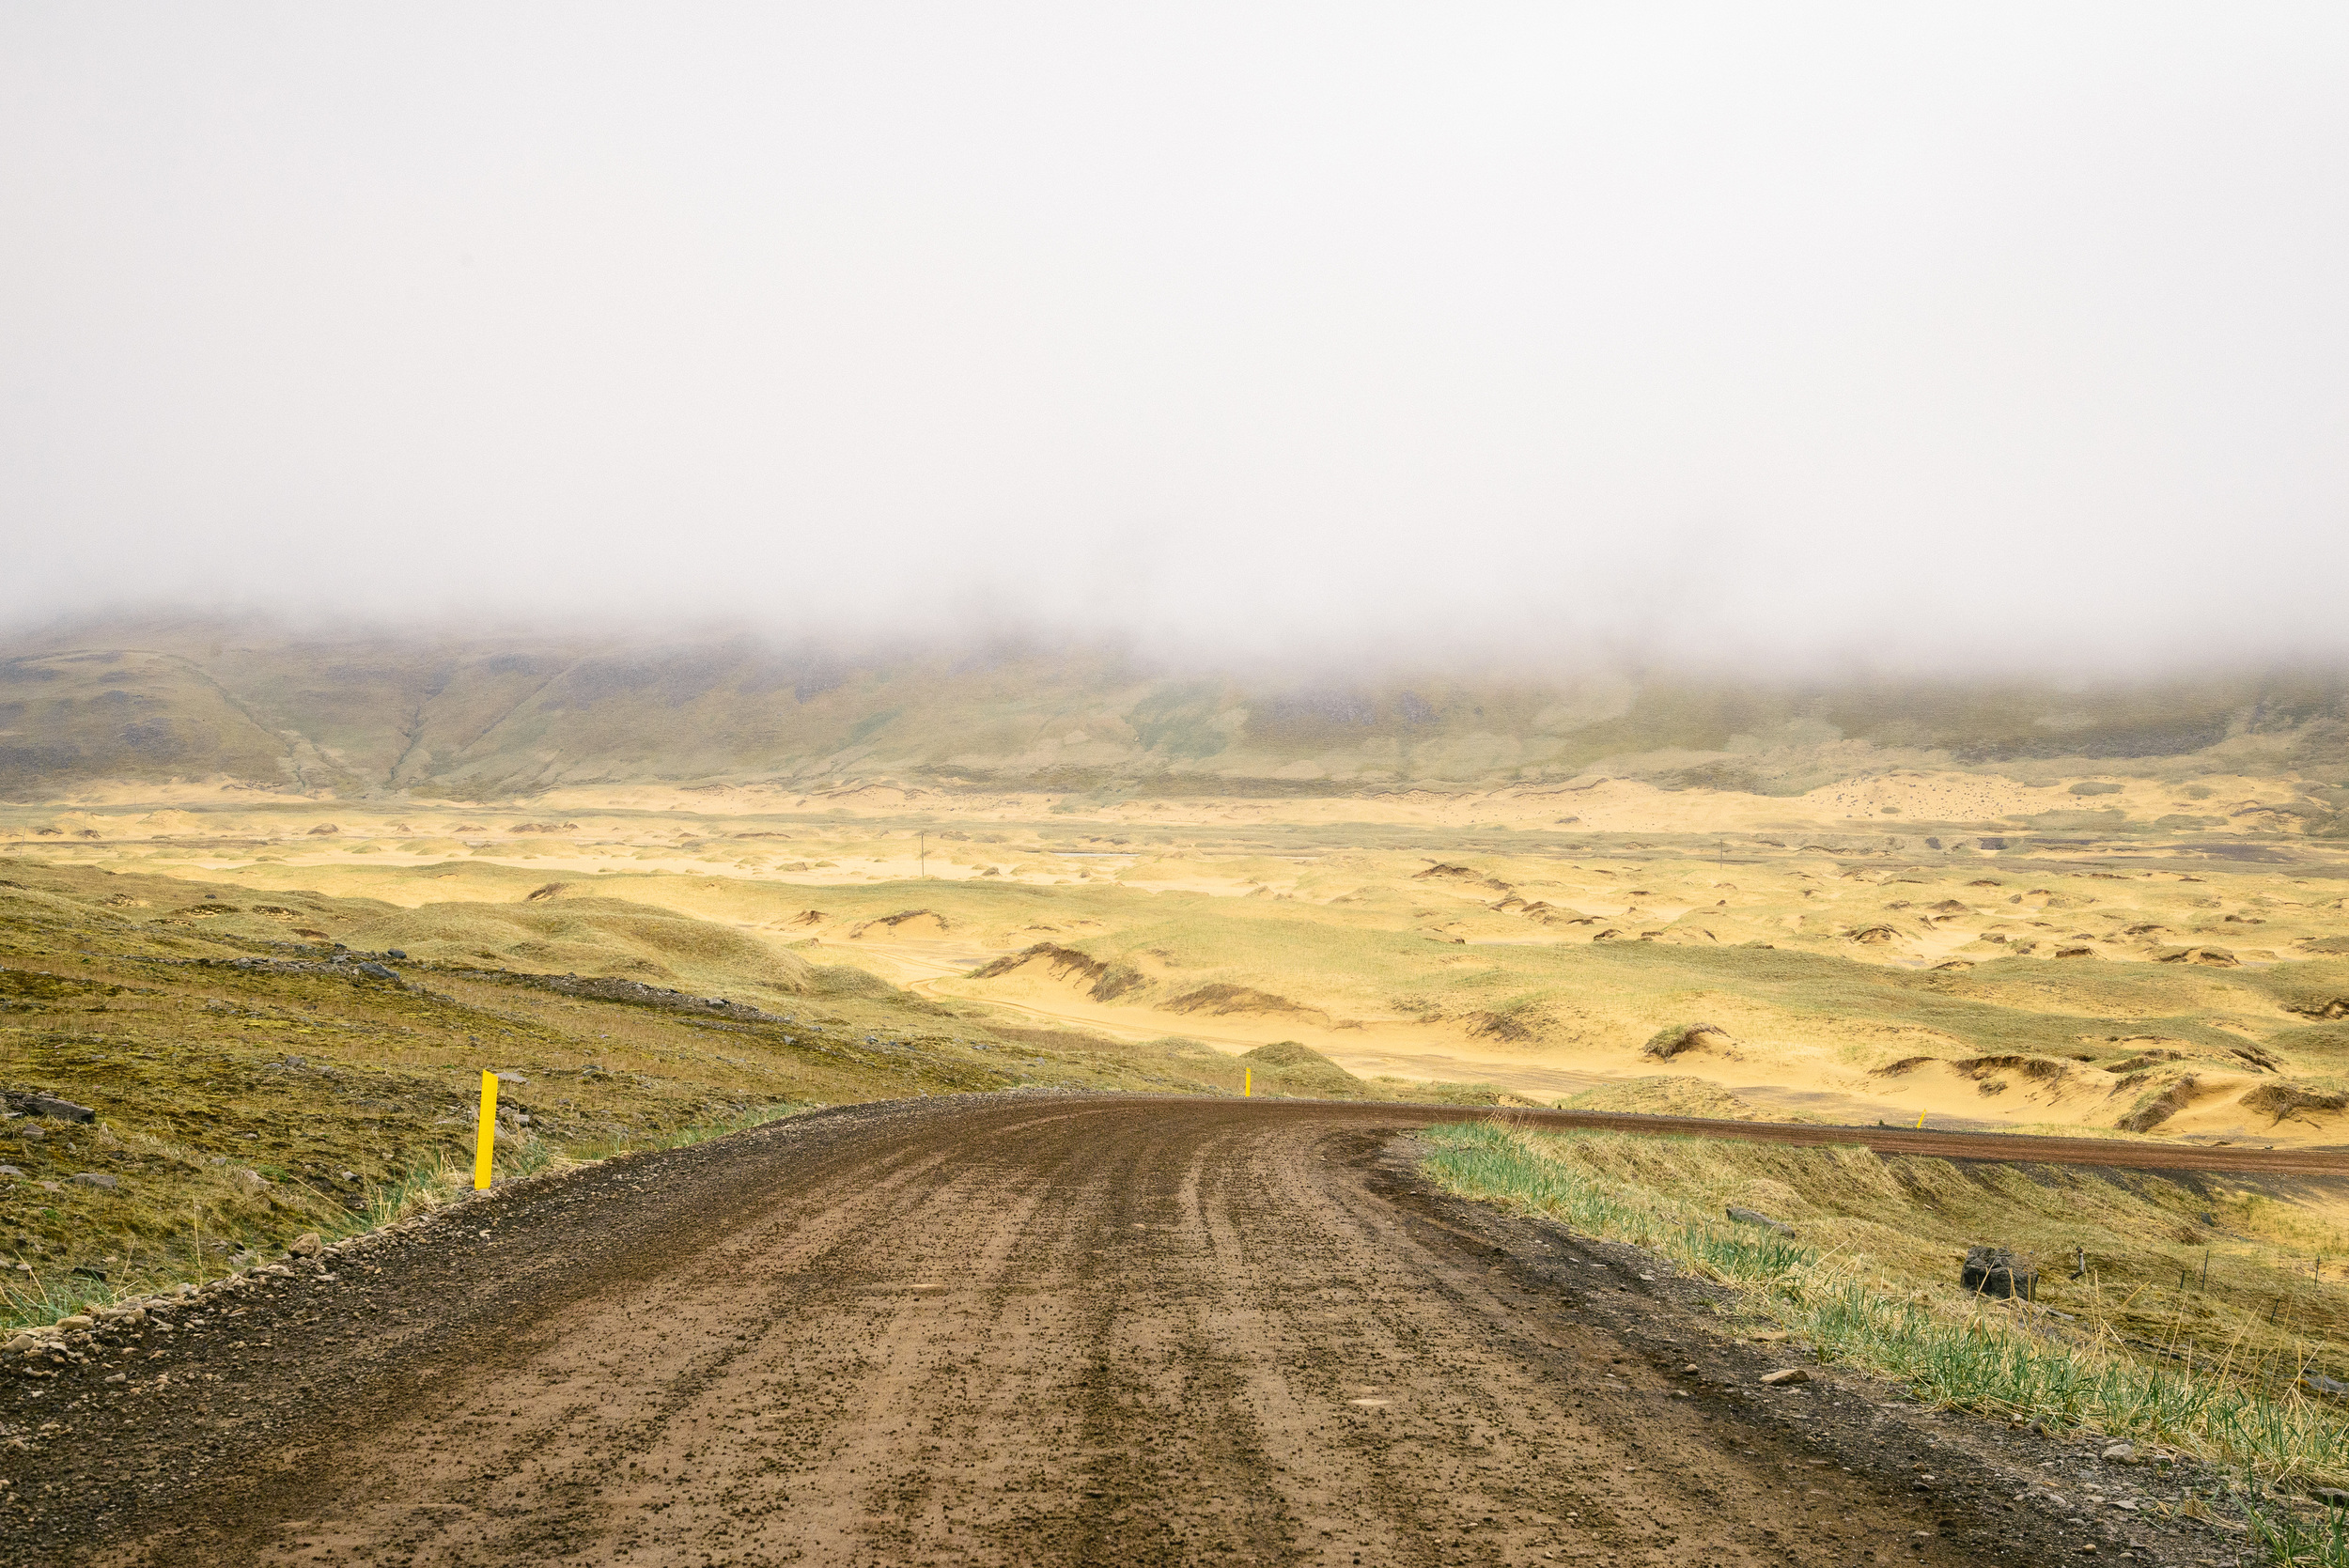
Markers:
point(499, 716)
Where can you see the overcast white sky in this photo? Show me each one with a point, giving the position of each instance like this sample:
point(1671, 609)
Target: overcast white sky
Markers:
point(1975, 331)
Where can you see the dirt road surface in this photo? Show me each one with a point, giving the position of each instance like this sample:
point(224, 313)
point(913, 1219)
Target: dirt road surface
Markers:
point(1006, 1329)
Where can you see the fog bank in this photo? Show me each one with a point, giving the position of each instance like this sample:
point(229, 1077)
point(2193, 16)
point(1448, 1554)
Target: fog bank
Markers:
point(1321, 334)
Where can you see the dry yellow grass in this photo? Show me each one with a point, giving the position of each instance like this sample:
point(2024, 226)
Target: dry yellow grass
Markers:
point(1859, 967)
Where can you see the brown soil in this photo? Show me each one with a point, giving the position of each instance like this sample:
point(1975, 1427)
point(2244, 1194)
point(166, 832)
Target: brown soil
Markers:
point(1013, 1328)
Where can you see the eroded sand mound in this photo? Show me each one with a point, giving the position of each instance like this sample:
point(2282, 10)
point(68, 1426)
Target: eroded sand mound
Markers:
point(1300, 1069)
point(1669, 1095)
point(1680, 1039)
point(905, 925)
point(1222, 998)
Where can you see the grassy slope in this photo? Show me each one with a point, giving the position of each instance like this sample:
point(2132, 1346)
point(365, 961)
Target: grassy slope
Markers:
point(490, 717)
point(2152, 1348)
point(244, 1106)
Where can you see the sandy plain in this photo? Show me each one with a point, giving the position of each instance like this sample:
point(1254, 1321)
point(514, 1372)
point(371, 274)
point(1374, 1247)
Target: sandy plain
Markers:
point(1975, 950)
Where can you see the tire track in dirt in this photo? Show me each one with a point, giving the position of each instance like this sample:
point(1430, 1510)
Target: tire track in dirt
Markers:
point(992, 1330)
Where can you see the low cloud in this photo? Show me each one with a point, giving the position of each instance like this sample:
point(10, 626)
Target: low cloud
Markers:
point(1819, 338)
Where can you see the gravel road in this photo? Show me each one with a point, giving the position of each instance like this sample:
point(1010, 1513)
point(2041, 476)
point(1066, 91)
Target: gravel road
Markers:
point(1019, 1328)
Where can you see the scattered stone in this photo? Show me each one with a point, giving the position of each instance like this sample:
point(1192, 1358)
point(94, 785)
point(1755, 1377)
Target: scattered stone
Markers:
point(74, 1323)
point(1786, 1377)
point(375, 971)
point(307, 1244)
point(10, 1170)
point(2123, 1452)
point(18, 1343)
point(1997, 1272)
point(50, 1107)
point(119, 1377)
point(96, 1178)
point(1755, 1217)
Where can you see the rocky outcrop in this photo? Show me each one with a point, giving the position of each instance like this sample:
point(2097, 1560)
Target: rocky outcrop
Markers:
point(32, 1102)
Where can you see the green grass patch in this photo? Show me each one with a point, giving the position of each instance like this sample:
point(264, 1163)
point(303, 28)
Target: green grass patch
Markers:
point(1950, 1348)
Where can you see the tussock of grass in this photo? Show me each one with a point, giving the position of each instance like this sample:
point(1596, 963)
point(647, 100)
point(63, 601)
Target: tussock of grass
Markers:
point(425, 1187)
point(2297, 1542)
point(1951, 1348)
point(33, 1297)
point(678, 1138)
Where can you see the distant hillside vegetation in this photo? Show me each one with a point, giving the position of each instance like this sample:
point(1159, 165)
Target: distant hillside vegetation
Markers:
point(493, 717)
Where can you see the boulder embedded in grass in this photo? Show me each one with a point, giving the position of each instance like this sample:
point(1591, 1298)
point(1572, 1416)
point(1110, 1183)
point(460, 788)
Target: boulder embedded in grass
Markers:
point(50, 1107)
point(1755, 1217)
point(1997, 1272)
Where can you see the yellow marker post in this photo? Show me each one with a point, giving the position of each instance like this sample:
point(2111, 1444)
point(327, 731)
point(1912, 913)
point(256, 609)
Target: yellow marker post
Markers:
point(1921, 1121)
point(484, 1136)
point(1247, 1082)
